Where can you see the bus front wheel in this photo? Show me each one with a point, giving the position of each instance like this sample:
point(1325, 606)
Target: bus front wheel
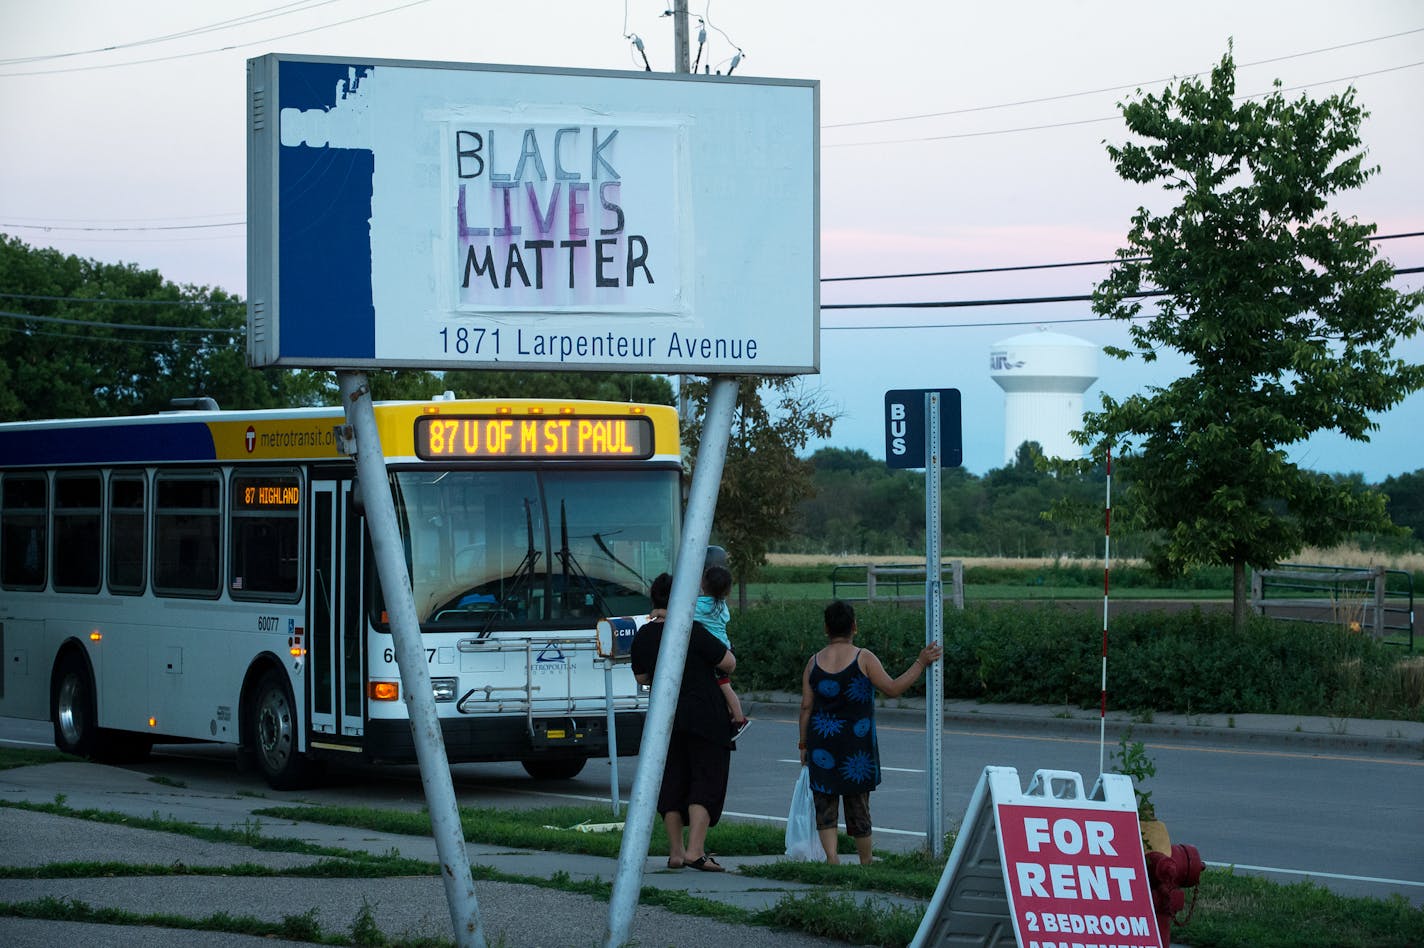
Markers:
point(72, 706)
point(274, 735)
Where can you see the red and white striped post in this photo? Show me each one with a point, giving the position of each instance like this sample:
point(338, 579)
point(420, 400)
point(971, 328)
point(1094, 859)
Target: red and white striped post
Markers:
point(1107, 567)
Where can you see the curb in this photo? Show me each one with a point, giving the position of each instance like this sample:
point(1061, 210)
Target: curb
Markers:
point(1347, 734)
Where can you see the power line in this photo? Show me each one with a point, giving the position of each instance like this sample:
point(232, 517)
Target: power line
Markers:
point(1110, 118)
point(28, 317)
point(988, 325)
point(108, 229)
point(216, 49)
point(1020, 301)
point(117, 299)
point(875, 276)
point(146, 343)
point(1037, 266)
point(257, 17)
point(1122, 88)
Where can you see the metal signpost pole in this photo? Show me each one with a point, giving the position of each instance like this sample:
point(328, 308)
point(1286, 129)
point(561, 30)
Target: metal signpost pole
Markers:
point(612, 734)
point(672, 655)
point(410, 658)
point(934, 629)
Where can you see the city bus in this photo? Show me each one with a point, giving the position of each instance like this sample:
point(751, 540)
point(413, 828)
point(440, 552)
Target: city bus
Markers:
point(206, 575)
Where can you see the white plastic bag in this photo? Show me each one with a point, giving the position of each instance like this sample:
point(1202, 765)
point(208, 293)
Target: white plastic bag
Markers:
point(802, 840)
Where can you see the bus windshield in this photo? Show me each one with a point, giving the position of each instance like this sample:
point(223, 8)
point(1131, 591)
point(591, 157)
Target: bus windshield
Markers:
point(521, 549)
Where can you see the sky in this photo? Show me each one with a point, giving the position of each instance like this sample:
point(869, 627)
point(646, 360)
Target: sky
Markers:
point(953, 136)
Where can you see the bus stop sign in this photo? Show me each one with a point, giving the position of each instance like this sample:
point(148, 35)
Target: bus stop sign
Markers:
point(905, 428)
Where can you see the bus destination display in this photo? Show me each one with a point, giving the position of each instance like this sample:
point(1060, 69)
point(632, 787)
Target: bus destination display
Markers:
point(548, 438)
point(267, 494)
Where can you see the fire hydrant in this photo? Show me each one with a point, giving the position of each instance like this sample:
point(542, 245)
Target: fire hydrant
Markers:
point(1168, 875)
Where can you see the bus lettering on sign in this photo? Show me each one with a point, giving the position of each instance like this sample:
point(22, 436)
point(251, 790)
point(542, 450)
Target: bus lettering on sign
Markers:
point(441, 436)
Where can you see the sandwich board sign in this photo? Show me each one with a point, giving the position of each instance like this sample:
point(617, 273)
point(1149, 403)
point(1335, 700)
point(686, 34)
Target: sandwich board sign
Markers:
point(1044, 867)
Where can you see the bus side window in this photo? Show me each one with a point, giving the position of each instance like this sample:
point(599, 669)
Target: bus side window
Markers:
point(127, 524)
point(24, 513)
point(77, 529)
point(265, 529)
point(187, 534)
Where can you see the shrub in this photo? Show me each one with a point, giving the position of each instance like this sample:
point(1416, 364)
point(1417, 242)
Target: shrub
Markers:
point(1179, 662)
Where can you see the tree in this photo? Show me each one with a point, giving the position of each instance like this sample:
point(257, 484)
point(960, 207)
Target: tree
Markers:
point(1405, 501)
point(1282, 307)
point(763, 478)
point(85, 339)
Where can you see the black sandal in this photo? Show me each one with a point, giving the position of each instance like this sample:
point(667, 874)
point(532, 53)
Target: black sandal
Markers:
point(704, 863)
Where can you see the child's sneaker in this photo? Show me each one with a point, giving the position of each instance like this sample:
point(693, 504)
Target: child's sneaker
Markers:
point(740, 727)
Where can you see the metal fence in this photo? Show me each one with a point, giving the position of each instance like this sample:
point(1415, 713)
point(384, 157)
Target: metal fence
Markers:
point(1374, 600)
point(896, 583)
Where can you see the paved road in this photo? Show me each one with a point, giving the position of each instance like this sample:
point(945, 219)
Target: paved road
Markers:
point(1333, 801)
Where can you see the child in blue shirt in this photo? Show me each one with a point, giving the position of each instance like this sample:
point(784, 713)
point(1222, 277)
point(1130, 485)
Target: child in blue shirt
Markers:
point(713, 613)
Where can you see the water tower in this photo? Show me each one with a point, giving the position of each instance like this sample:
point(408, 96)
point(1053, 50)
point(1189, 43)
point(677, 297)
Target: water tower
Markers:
point(1043, 375)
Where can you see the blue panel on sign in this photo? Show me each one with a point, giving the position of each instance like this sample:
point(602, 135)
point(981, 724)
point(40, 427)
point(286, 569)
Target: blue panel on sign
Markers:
point(905, 428)
point(107, 444)
point(324, 234)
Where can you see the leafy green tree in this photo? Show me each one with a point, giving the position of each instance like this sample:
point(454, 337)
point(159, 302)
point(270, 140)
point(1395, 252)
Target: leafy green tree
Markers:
point(1282, 307)
point(1405, 503)
point(83, 338)
point(763, 478)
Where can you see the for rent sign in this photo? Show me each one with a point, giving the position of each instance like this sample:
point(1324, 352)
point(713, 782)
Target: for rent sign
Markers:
point(1049, 866)
point(1076, 877)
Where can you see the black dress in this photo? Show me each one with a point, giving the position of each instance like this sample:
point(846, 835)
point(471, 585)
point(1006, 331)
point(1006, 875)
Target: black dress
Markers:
point(842, 751)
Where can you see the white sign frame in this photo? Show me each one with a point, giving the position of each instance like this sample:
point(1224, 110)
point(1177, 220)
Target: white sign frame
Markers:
point(436, 215)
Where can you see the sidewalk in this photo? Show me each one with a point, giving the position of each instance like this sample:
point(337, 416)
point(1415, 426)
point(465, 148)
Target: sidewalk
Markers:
point(513, 915)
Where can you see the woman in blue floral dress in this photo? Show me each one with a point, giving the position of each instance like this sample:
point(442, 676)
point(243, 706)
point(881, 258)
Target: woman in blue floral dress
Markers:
point(838, 742)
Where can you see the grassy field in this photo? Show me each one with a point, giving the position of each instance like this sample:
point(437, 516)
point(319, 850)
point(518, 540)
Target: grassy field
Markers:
point(1334, 556)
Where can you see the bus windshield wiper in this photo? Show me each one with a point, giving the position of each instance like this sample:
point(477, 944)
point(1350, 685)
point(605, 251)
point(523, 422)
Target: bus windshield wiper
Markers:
point(523, 574)
point(571, 567)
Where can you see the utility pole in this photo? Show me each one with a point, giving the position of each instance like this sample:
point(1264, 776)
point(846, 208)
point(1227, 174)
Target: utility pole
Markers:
point(681, 63)
point(672, 653)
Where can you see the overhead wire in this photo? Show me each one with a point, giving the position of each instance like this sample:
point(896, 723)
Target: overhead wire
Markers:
point(30, 317)
point(1044, 266)
point(285, 9)
point(216, 49)
point(119, 299)
point(1121, 88)
point(918, 304)
point(1019, 301)
point(149, 343)
point(1109, 118)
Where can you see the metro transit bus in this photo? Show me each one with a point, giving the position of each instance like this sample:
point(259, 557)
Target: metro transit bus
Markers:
point(207, 576)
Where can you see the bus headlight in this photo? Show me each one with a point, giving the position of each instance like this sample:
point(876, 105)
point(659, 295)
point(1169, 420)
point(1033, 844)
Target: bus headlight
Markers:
point(444, 688)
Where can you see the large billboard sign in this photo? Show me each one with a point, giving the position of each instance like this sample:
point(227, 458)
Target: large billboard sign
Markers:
point(441, 215)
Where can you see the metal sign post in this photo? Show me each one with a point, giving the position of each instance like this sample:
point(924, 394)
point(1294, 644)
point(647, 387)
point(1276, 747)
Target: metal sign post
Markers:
point(672, 655)
point(410, 659)
point(934, 632)
point(924, 426)
point(615, 639)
